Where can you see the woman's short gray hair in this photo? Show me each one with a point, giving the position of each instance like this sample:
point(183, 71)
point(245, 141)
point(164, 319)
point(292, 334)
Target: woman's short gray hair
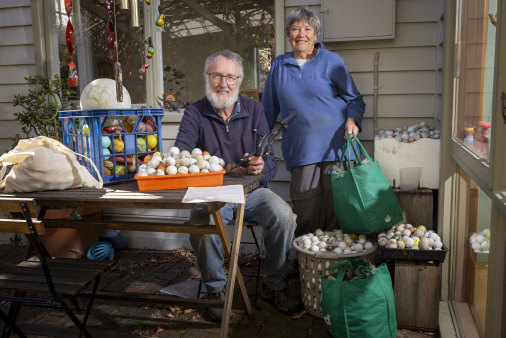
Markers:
point(227, 54)
point(302, 13)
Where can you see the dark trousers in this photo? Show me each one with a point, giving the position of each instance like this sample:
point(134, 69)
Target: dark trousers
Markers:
point(312, 199)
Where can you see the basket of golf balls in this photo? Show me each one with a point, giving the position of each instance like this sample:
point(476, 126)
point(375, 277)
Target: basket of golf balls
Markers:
point(180, 169)
point(480, 241)
point(404, 241)
point(317, 251)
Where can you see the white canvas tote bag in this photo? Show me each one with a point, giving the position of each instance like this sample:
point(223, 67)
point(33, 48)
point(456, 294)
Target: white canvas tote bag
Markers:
point(42, 163)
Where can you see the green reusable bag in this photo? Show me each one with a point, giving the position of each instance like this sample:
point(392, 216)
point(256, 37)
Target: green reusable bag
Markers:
point(364, 202)
point(362, 307)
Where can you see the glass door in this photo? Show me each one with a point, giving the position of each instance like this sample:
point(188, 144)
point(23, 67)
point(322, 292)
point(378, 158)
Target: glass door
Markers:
point(477, 165)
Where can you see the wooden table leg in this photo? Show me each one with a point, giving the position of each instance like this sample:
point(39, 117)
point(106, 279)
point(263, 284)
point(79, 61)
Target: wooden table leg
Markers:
point(233, 272)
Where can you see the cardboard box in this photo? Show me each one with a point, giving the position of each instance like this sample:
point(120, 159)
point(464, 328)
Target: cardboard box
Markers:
point(393, 155)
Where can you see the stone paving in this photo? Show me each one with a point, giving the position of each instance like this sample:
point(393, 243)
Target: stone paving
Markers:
point(148, 271)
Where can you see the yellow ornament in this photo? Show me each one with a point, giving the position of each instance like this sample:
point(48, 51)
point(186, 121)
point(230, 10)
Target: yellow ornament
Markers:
point(119, 146)
point(152, 141)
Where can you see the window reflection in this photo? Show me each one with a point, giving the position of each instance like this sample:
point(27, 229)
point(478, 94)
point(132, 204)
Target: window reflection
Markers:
point(191, 34)
point(473, 219)
point(92, 56)
point(475, 74)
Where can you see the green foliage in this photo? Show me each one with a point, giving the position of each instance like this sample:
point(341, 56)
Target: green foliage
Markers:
point(137, 328)
point(45, 98)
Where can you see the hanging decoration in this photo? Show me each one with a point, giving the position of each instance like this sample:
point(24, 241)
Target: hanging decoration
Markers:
point(111, 41)
point(151, 49)
point(110, 30)
point(128, 56)
point(134, 13)
point(73, 77)
point(160, 21)
point(118, 76)
point(142, 71)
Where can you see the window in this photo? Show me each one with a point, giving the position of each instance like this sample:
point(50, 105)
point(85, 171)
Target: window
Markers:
point(189, 35)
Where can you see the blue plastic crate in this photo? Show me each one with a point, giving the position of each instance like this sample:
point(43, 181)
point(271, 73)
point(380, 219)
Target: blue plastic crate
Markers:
point(86, 132)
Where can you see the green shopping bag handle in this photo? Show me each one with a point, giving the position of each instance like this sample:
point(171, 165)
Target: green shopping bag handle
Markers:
point(350, 144)
point(346, 147)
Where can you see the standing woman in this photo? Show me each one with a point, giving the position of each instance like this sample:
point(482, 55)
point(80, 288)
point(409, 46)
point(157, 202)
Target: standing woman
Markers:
point(314, 83)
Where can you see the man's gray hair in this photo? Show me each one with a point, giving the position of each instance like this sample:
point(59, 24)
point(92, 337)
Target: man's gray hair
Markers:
point(302, 13)
point(228, 55)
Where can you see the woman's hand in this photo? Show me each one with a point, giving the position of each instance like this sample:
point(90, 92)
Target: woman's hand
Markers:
point(350, 127)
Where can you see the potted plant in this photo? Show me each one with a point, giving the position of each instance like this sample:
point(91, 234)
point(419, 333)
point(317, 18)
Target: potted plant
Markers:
point(41, 106)
point(39, 117)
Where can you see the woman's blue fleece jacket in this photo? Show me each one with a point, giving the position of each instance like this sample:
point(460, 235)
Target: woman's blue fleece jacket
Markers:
point(323, 95)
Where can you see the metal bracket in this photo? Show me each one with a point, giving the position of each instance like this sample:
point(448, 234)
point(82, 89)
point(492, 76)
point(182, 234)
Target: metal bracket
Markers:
point(503, 106)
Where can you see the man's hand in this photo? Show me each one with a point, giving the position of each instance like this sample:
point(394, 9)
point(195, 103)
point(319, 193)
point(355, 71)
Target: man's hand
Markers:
point(235, 169)
point(350, 127)
point(255, 165)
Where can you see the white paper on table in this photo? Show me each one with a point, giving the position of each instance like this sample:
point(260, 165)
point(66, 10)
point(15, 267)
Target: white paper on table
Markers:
point(226, 193)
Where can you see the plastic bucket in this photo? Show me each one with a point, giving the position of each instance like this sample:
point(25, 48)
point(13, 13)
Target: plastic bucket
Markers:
point(410, 178)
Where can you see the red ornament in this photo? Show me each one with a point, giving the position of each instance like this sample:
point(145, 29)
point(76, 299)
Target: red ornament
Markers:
point(68, 7)
point(110, 32)
point(71, 38)
point(73, 77)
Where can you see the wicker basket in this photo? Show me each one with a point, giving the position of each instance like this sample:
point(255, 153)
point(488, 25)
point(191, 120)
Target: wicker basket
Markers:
point(313, 266)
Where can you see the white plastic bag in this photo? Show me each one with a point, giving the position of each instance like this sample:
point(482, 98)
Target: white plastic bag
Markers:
point(42, 163)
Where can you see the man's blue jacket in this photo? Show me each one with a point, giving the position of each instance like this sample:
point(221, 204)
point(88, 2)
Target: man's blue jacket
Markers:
point(202, 127)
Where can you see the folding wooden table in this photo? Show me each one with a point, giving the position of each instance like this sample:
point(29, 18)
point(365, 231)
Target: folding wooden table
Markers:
point(127, 195)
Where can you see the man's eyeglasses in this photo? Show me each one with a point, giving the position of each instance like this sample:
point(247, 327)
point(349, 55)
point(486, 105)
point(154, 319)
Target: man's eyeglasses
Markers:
point(215, 77)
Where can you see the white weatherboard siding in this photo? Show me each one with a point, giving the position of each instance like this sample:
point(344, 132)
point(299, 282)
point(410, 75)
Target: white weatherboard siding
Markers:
point(17, 60)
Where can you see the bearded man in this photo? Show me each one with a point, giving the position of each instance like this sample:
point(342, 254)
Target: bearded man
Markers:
point(229, 125)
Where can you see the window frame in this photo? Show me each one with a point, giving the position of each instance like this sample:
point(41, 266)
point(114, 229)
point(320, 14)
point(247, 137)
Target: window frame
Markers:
point(489, 176)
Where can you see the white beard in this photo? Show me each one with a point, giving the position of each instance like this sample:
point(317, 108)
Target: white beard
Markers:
point(221, 102)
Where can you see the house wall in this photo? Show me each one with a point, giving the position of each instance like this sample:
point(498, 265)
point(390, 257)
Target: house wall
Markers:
point(17, 60)
point(409, 76)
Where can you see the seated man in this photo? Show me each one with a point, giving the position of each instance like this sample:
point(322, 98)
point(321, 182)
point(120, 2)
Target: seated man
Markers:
point(228, 125)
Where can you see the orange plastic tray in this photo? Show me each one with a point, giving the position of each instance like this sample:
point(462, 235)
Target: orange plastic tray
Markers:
point(179, 181)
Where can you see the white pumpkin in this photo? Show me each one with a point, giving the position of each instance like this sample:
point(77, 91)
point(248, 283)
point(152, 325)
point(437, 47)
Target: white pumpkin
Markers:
point(101, 94)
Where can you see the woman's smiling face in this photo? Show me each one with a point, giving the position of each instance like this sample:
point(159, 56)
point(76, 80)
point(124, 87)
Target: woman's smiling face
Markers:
point(302, 38)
